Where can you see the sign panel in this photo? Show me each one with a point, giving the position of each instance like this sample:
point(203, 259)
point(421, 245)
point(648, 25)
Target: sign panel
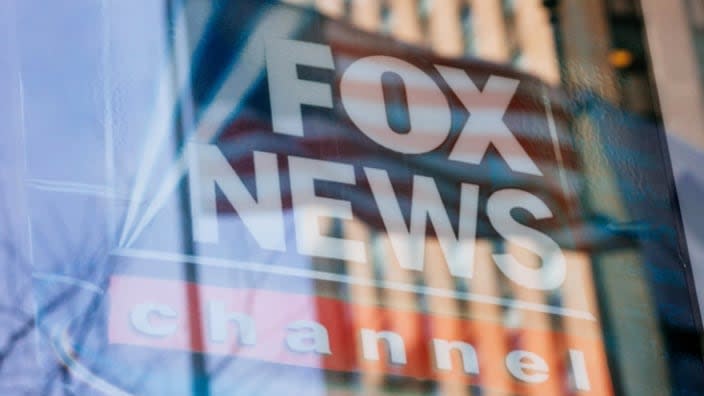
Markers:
point(329, 199)
point(313, 209)
point(330, 126)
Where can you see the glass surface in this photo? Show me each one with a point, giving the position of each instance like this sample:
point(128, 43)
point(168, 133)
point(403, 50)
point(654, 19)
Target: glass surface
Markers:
point(253, 197)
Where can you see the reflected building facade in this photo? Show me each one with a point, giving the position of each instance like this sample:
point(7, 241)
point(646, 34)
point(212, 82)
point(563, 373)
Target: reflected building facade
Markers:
point(604, 54)
point(254, 307)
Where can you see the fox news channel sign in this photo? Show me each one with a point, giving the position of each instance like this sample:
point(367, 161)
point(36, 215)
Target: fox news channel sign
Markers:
point(362, 96)
point(411, 145)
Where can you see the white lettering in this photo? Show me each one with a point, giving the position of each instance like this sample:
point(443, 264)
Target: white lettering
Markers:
point(140, 319)
point(427, 204)
point(579, 370)
point(308, 336)
point(443, 358)
point(527, 366)
point(263, 216)
point(286, 91)
point(218, 320)
point(308, 208)
point(485, 125)
point(552, 272)
point(370, 345)
point(362, 95)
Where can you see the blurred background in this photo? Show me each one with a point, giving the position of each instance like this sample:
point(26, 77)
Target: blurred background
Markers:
point(633, 67)
point(632, 73)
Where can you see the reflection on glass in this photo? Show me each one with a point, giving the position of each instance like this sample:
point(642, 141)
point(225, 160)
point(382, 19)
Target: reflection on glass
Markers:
point(377, 197)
